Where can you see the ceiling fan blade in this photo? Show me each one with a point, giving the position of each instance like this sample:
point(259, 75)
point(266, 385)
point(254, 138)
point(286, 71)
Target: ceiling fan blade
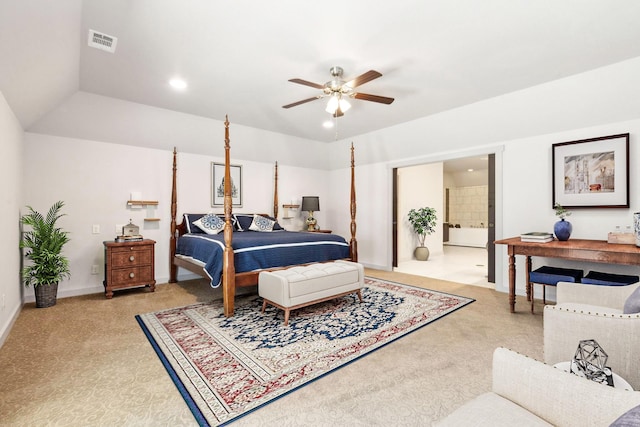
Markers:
point(364, 78)
point(374, 98)
point(306, 83)
point(302, 102)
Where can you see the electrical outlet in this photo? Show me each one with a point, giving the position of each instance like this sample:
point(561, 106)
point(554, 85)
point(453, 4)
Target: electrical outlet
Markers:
point(96, 229)
point(94, 269)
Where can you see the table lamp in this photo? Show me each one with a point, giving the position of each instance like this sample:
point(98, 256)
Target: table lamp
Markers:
point(311, 204)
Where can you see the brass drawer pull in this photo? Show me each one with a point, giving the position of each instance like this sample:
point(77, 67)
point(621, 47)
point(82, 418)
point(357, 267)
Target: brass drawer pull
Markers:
point(132, 258)
point(132, 275)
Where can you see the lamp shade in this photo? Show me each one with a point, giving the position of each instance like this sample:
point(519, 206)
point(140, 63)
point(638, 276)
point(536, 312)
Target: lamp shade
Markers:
point(311, 203)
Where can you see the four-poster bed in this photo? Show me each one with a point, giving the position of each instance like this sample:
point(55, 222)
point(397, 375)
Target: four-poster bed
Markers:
point(231, 251)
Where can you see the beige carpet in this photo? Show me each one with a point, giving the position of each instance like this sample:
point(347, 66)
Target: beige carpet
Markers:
point(86, 362)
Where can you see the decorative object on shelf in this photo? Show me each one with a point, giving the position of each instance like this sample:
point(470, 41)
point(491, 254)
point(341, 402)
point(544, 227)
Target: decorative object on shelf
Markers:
point(562, 229)
point(592, 172)
point(423, 221)
point(217, 184)
point(311, 204)
point(590, 361)
point(43, 244)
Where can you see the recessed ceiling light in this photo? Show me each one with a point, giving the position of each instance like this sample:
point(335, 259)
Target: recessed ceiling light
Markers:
point(178, 83)
point(328, 124)
point(469, 170)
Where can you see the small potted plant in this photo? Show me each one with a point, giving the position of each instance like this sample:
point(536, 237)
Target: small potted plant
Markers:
point(43, 245)
point(562, 229)
point(423, 221)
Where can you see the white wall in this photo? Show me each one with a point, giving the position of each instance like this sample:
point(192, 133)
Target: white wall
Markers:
point(11, 184)
point(95, 180)
point(519, 128)
point(419, 186)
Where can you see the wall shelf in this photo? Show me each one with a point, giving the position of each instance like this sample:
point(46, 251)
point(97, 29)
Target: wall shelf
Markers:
point(149, 204)
point(286, 207)
point(142, 202)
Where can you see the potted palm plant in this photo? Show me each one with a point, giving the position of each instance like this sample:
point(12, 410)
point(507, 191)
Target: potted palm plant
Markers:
point(43, 247)
point(423, 221)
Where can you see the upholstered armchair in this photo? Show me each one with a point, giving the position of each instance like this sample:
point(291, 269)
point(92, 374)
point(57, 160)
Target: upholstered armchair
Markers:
point(586, 311)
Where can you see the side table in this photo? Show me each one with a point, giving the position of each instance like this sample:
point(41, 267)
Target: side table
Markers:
point(129, 265)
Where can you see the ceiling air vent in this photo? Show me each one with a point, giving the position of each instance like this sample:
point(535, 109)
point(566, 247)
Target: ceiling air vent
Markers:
point(102, 41)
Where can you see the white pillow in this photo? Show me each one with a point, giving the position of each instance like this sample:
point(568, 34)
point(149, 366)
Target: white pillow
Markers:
point(210, 224)
point(261, 223)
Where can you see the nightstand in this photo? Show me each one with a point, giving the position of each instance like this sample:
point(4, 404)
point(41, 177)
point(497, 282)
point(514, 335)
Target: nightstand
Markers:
point(129, 265)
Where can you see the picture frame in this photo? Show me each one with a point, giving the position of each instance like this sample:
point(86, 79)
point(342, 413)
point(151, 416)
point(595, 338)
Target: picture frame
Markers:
point(217, 184)
point(591, 173)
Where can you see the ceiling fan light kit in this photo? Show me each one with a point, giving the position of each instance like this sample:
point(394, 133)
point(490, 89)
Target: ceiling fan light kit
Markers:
point(337, 89)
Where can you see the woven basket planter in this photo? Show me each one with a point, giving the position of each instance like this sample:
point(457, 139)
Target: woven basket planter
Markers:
point(46, 295)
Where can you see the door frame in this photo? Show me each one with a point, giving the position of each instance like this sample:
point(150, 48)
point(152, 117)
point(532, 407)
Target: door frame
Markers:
point(495, 226)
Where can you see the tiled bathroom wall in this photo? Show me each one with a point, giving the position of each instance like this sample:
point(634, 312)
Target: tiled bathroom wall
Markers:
point(468, 206)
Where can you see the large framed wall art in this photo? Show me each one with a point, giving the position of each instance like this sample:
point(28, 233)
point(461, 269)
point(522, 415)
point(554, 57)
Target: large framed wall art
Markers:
point(591, 173)
point(217, 184)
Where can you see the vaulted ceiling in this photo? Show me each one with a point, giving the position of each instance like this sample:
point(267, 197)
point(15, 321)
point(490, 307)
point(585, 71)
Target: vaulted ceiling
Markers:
point(237, 56)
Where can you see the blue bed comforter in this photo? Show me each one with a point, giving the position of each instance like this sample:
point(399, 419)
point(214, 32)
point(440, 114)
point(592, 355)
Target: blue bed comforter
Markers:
point(255, 250)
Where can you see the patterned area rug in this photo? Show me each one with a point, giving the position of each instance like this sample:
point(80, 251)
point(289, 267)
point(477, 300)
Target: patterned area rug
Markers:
point(228, 367)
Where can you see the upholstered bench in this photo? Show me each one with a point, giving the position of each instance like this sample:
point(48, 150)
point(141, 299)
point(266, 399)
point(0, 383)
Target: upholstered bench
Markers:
point(301, 286)
point(550, 276)
point(609, 279)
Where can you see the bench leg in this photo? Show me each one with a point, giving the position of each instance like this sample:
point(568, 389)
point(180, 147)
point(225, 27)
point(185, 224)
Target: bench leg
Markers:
point(359, 295)
point(264, 305)
point(286, 317)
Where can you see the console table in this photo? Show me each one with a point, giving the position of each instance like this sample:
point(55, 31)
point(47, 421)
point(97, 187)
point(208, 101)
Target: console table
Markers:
point(573, 249)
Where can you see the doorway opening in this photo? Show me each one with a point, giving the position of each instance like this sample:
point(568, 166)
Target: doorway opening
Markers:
point(463, 193)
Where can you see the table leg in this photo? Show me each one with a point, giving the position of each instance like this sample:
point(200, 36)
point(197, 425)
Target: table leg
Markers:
point(512, 283)
point(528, 283)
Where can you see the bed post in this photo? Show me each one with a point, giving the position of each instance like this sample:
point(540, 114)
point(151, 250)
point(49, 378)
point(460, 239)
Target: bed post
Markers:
point(275, 193)
point(173, 269)
point(353, 244)
point(228, 266)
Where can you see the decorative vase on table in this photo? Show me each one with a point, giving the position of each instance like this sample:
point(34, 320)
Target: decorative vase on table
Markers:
point(562, 229)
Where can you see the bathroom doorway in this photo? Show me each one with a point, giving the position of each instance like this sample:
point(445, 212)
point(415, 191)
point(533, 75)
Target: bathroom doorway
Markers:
point(467, 218)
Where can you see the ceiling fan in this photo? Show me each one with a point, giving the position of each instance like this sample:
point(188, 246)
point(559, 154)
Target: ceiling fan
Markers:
point(338, 89)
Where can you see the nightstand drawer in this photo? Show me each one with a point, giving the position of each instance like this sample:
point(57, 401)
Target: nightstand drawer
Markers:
point(130, 258)
point(129, 276)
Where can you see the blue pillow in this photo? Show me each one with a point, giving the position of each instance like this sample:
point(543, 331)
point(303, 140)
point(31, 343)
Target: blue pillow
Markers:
point(632, 305)
point(631, 418)
point(189, 220)
point(243, 221)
